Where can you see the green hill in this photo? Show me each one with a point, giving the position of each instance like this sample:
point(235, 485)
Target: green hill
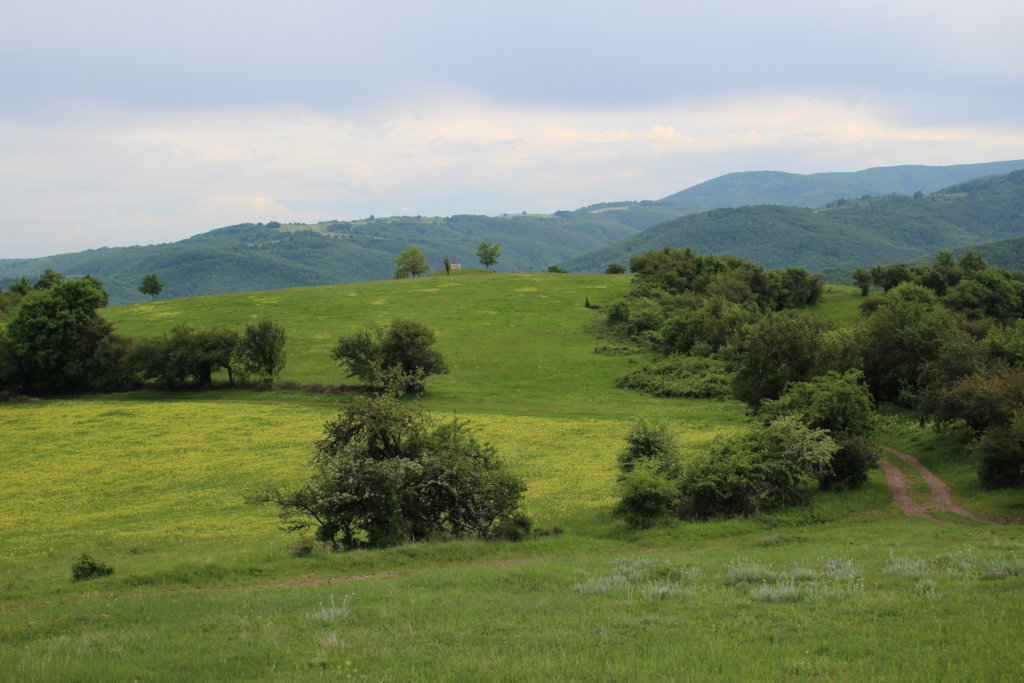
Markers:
point(846, 234)
point(817, 189)
point(208, 588)
point(251, 257)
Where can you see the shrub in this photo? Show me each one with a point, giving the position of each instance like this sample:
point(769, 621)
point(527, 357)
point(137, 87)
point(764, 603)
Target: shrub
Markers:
point(401, 353)
point(646, 497)
point(649, 444)
point(260, 351)
point(680, 377)
point(87, 568)
point(772, 465)
point(386, 473)
point(614, 269)
point(1001, 455)
point(842, 405)
point(514, 528)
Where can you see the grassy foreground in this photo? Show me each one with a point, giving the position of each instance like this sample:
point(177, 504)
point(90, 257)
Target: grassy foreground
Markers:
point(203, 589)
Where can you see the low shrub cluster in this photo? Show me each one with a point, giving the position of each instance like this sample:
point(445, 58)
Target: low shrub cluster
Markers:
point(680, 376)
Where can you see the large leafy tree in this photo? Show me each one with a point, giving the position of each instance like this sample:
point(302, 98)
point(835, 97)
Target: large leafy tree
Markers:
point(488, 254)
point(151, 285)
point(386, 473)
point(186, 356)
point(841, 404)
point(411, 262)
point(783, 347)
point(401, 352)
point(57, 341)
point(260, 350)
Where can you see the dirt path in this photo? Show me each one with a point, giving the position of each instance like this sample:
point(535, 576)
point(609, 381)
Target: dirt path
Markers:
point(941, 495)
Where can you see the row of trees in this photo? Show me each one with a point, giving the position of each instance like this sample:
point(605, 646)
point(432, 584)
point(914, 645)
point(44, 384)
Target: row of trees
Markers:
point(57, 342)
point(412, 262)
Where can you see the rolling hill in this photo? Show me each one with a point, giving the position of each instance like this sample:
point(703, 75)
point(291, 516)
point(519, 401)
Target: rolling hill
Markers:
point(817, 189)
point(250, 257)
point(846, 234)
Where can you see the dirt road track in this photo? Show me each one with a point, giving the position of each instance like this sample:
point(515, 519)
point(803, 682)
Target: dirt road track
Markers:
point(941, 496)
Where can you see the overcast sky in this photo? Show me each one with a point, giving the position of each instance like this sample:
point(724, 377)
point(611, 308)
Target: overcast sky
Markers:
point(127, 122)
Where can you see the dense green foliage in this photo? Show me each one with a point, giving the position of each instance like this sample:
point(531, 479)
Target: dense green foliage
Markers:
point(680, 376)
point(411, 262)
point(401, 353)
point(771, 465)
point(385, 473)
point(487, 254)
point(151, 285)
point(58, 342)
point(86, 568)
point(185, 356)
point(840, 404)
point(260, 351)
point(249, 257)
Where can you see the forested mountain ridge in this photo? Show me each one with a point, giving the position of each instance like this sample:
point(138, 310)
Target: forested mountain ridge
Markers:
point(251, 257)
point(848, 233)
point(817, 189)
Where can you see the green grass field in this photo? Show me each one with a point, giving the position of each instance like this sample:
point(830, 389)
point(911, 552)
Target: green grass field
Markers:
point(203, 589)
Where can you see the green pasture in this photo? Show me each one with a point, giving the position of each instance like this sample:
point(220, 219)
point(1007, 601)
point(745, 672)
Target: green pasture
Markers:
point(517, 343)
point(204, 589)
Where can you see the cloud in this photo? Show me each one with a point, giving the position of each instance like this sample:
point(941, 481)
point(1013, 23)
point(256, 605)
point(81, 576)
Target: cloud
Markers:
point(133, 176)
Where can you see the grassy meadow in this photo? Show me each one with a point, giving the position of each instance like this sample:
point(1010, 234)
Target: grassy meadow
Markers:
point(203, 588)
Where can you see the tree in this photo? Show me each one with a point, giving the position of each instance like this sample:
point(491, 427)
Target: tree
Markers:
point(151, 285)
point(898, 340)
point(403, 351)
point(186, 355)
point(447, 265)
point(49, 279)
point(386, 473)
point(780, 348)
point(862, 278)
point(771, 465)
point(488, 254)
point(614, 269)
point(411, 262)
point(260, 350)
point(840, 404)
point(54, 341)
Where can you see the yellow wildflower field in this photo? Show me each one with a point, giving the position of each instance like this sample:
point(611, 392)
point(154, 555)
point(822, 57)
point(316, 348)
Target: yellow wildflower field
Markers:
point(143, 474)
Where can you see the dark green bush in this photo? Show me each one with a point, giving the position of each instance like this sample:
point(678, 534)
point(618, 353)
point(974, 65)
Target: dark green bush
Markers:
point(646, 497)
point(1001, 456)
point(770, 466)
point(87, 568)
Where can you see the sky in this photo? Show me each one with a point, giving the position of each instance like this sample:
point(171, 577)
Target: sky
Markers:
point(127, 122)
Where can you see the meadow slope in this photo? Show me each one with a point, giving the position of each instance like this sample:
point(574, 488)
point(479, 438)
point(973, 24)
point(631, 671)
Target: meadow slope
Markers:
point(151, 482)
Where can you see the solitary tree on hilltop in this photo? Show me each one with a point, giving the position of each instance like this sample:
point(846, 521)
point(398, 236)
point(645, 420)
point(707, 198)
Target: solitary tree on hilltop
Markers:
point(488, 254)
point(411, 262)
point(151, 285)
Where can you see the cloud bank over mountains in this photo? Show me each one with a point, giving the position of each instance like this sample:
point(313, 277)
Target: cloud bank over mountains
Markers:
point(125, 124)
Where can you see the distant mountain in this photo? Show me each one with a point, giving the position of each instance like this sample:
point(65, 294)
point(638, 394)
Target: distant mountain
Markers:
point(817, 189)
point(847, 234)
point(250, 257)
